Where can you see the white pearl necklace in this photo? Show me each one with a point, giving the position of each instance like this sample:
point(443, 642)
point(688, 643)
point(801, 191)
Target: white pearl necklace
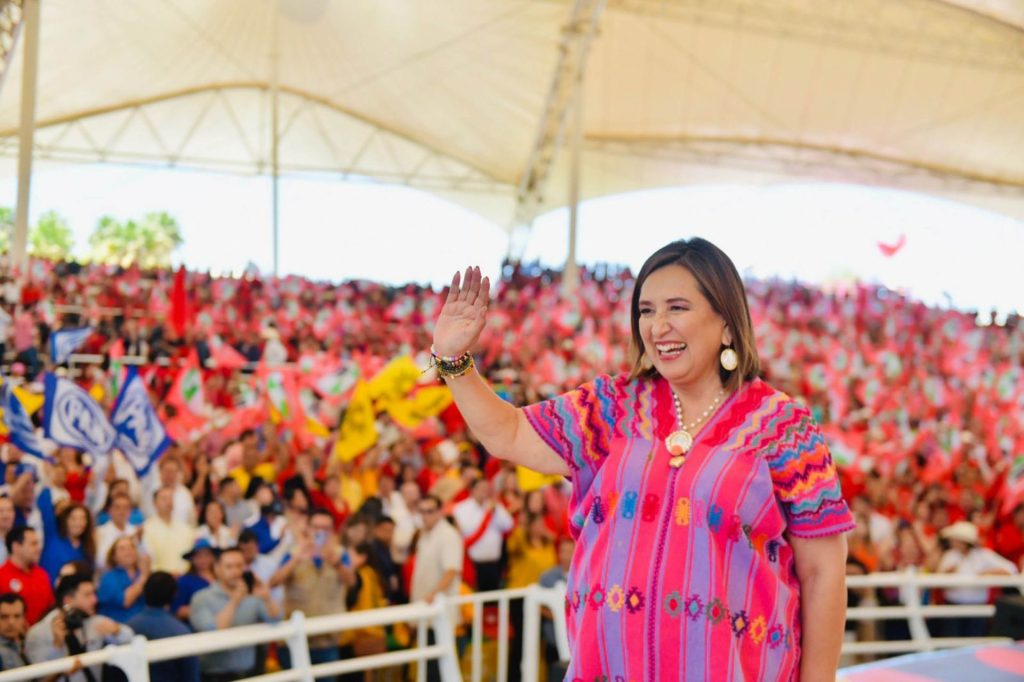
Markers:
point(680, 441)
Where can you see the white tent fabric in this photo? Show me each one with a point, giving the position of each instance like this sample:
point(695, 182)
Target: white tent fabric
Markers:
point(446, 95)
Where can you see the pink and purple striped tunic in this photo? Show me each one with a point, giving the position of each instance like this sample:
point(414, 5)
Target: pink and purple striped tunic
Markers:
point(686, 574)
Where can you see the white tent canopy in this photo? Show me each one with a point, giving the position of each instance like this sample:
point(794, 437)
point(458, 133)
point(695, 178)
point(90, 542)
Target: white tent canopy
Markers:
point(467, 98)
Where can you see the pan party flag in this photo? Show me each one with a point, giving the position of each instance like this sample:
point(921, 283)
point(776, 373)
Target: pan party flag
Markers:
point(427, 402)
point(74, 419)
point(64, 342)
point(358, 430)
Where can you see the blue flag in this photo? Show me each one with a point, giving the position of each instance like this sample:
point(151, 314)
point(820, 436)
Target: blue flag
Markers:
point(140, 434)
point(72, 418)
point(19, 425)
point(64, 342)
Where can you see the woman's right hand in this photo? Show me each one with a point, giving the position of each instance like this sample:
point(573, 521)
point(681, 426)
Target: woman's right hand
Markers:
point(464, 314)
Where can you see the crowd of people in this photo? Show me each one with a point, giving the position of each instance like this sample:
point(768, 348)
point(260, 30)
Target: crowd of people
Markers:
point(237, 525)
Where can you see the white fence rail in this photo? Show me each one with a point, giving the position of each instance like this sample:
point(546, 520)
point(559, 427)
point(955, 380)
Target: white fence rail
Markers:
point(912, 587)
point(134, 658)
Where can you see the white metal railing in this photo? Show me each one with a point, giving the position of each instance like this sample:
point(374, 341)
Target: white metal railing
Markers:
point(915, 613)
point(134, 658)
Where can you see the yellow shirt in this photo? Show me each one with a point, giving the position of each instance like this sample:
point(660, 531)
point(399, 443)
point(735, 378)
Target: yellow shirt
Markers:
point(371, 596)
point(527, 562)
point(266, 471)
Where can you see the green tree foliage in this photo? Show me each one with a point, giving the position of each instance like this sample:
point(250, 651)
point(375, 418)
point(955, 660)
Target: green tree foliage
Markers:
point(149, 242)
point(6, 228)
point(51, 237)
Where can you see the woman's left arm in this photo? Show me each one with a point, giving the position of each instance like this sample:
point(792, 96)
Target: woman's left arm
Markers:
point(821, 569)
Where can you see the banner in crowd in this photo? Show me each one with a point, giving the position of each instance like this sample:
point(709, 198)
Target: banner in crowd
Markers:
point(395, 381)
point(64, 342)
point(186, 393)
point(140, 434)
point(358, 431)
point(425, 403)
point(19, 424)
point(72, 418)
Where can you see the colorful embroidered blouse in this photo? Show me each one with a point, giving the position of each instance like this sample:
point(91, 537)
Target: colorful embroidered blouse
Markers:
point(684, 574)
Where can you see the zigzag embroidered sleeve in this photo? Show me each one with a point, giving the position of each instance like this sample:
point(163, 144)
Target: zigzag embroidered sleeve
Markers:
point(804, 476)
point(577, 427)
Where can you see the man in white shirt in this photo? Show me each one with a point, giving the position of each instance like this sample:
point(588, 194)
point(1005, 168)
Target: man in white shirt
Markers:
point(483, 524)
point(965, 557)
point(168, 474)
point(114, 529)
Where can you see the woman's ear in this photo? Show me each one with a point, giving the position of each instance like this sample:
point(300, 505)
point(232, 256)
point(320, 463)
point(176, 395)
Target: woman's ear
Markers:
point(726, 335)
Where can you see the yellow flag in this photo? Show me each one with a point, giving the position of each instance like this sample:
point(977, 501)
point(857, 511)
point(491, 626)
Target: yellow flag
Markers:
point(395, 381)
point(30, 401)
point(427, 402)
point(529, 479)
point(358, 430)
point(315, 428)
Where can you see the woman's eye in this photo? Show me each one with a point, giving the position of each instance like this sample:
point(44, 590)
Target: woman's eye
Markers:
point(646, 311)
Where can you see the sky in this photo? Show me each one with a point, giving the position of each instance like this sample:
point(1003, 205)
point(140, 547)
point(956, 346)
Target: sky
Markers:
point(818, 233)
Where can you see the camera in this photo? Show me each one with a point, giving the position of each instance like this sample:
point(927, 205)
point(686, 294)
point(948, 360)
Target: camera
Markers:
point(74, 618)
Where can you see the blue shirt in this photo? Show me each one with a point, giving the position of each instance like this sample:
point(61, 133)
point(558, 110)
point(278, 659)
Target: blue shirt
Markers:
point(57, 550)
point(155, 623)
point(136, 518)
point(110, 595)
point(188, 585)
point(263, 532)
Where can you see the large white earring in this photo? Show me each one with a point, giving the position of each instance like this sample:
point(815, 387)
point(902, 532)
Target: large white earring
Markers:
point(729, 359)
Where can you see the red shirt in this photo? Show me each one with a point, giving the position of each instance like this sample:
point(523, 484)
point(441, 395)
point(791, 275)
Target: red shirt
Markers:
point(33, 586)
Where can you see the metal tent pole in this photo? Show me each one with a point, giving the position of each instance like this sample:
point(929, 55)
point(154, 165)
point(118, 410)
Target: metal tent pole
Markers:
point(29, 77)
point(274, 140)
point(571, 273)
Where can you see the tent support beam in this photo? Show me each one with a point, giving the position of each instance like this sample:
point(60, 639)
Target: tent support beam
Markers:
point(577, 35)
point(571, 273)
point(275, 138)
point(26, 136)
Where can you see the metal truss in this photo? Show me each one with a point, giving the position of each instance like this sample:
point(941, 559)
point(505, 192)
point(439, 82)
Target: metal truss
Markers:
point(316, 137)
point(801, 159)
point(926, 30)
point(11, 13)
point(577, 35)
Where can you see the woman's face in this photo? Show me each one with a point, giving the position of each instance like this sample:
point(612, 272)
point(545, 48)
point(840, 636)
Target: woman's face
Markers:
point(126, 556)
point(264, 496)
point(77, 521)
point(681, 333)
point(535, 502)
point(213, 517)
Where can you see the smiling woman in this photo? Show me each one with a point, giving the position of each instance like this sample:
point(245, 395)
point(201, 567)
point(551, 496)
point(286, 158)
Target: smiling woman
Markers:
point(705, 506)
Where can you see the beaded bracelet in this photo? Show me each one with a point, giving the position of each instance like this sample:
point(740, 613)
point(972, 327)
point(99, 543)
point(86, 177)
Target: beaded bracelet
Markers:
point(451, 365)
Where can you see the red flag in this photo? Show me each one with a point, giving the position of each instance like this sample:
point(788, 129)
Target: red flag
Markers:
point(224, 356)
point(180, 312)
point(890, 250)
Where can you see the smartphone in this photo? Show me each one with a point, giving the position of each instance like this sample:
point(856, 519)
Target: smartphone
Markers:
point(346, 560)
point(250, 580)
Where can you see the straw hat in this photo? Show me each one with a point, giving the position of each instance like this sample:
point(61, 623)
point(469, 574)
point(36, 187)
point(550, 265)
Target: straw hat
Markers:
point(964, 531)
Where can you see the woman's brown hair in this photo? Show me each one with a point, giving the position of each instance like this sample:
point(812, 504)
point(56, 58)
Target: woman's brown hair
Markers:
point(88, 538)
point(720, 283)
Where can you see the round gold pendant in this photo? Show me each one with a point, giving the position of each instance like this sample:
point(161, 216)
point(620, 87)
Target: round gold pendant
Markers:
point(676, 461)
point(679, 442)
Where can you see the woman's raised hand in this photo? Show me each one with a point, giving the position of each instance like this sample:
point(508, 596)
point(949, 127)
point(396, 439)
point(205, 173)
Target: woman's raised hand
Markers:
point(464, 313)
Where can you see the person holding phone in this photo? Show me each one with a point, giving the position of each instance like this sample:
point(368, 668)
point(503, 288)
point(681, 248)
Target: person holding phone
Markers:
point(318, 579)
point(229, 603)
